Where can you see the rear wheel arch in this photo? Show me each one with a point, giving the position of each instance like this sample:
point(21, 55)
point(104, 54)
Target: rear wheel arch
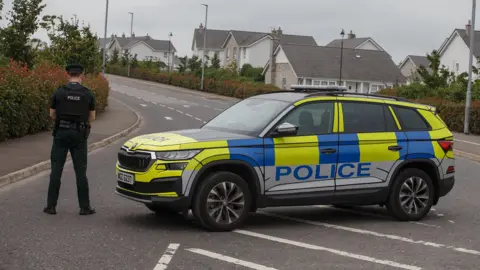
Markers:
point(426, 165)
point(238, 167)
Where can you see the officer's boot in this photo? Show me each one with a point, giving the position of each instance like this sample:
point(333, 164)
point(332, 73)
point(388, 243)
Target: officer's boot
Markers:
point(50, 210)
point(85, 211)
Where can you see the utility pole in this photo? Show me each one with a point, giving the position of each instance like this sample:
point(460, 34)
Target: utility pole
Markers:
point(204, 46)
point(470, 67)
point(105, 38)
point(131, 36)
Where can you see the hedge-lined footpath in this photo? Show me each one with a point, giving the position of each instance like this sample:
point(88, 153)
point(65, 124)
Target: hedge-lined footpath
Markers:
point(25, 97)
point(226, 88)
point(452, 113)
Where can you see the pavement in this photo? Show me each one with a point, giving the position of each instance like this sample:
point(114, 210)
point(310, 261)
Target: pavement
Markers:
point(126, 235)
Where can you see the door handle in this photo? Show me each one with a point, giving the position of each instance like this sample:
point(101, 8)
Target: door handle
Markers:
point(328, 151)
point(395, 148)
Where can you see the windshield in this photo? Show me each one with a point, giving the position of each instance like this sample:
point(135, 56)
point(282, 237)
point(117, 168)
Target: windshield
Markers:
point(249, 116)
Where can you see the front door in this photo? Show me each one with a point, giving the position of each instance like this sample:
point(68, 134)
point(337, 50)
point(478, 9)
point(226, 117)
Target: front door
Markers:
point(305, 162)
point(368, 145)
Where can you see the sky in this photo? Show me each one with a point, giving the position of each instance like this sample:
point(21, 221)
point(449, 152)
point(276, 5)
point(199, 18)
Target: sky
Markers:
point(401, 27)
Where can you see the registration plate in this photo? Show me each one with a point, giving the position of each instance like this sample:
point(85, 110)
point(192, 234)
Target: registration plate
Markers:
point(126, 178)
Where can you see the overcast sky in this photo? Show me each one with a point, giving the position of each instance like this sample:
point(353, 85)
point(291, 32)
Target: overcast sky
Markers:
point(401, 27)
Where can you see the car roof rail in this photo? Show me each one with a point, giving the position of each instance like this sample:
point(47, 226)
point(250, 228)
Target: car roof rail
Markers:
point(318, 88)
point(360, 94)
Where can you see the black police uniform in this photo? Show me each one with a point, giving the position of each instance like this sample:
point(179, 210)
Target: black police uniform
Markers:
point(72, 103)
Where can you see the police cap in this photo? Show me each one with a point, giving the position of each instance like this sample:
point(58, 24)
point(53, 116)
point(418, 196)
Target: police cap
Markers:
point(74, 69)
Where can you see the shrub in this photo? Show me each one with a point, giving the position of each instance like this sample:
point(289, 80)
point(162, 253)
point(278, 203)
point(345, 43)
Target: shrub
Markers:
point(25, 97)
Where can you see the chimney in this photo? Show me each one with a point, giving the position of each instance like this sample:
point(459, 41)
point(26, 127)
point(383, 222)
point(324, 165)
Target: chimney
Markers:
point(123, 35)
point(201, 26)
point(147, 37)
point(351, 35)
point(279, 31)
point(274, 31)
point(468, 27)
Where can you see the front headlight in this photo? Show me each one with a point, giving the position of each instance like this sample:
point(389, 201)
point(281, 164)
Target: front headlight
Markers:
point(177, 155)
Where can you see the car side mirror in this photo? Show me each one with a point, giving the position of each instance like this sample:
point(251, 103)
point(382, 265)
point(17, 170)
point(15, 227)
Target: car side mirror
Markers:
point(286, 129)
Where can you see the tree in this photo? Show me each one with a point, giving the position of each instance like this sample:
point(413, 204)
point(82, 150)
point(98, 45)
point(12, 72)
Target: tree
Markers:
point(125, 58)
point(194, 64)
point(115, 57)
point(134, 62)
point(215, 61)
point(23, 23)
point(183, 64)
point(71, 43)
point(439, 76)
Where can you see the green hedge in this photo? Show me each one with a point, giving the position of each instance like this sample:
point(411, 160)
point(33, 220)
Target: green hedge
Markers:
point(231, 88)
point(25, 97)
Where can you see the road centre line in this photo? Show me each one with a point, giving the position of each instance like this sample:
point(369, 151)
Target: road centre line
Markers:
point(166, 257)
point(335, 251)
point(372, 233)
point(371, 215)
point(228, 259)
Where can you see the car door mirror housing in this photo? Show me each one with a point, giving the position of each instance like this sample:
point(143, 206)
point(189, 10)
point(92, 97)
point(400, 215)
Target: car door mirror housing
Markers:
point(286, 129)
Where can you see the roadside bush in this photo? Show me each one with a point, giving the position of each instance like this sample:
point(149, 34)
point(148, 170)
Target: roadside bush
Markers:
point(225, 87)
point(25, 97)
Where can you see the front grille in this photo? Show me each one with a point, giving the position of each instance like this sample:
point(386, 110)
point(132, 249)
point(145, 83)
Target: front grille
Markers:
point(134, 161)
point(155, 186)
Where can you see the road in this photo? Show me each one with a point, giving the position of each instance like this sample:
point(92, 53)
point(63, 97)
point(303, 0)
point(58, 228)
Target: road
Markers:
point(126, 235)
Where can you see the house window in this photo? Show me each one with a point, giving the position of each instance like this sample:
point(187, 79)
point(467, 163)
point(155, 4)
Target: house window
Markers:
point(309, 82)
point(324, 83)
point(300, 81)
point(227, 54)
point(284, 82)
point(316, 82)
point(457, 66)
point(331, 83)
point(235, 52)
point(165, 55)
point(244, 53)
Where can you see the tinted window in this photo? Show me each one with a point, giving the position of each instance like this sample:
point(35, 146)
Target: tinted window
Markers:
point(410, 119)
point(249, 116)
point(363, 117)
point(312, 119)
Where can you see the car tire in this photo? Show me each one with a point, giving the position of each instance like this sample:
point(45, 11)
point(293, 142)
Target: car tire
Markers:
point(161, 210)
point(411, 185)
point(212, 186)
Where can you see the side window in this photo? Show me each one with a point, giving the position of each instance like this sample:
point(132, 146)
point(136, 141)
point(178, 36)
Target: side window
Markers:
point(313, 118)
point(360, 117)
point(410, 119)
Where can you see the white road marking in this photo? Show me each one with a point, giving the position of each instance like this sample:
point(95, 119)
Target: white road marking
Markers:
point(162, 105)
point(451, 221)
point(366, 232)
point(188, 115)
point(143, 105)
point(186, 106)
point(204, 122)
point(335, 251)
point(198, 119)
point(166, 257)
point(179, 111)
point(171, 108)
point(168, 118)
point(230, 259)
point(220, 110)
point(474, 143)
point(372, 215)
point(467, 154)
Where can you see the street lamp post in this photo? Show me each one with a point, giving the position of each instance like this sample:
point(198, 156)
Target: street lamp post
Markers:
point(169, 50)
point(204, 46)
point(470, 67)
point(341, 56)
point(105, 38)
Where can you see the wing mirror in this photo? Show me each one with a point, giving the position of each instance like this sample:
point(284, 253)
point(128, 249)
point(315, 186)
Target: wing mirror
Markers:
point(286, 129)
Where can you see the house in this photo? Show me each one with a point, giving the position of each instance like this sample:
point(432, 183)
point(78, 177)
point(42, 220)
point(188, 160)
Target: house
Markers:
point(255, 48)
point(454, 52)
point(410, 65)
point(352, 42)
point(363, 71)
point(145, 47)
point(215, 39)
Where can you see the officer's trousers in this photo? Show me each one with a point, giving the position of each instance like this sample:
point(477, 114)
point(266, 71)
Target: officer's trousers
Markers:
point(74, 141)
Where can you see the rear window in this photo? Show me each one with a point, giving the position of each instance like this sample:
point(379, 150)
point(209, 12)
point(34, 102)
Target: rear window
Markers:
point(410, 119)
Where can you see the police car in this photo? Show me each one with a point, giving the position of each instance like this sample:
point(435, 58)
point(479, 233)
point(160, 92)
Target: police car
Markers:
point(309, 146)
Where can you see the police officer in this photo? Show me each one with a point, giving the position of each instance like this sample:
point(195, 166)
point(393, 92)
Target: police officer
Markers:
point(72, 109)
